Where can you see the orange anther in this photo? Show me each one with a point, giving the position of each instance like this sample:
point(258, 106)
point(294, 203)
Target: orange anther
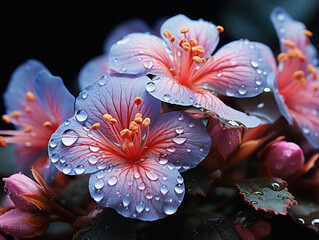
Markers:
point(15, 114)
point(138, 120)
point(167, 34)
point(133, 126)
point(307, 33)
point(299, 76)
point(47, 124)
point(2, 142)
point(182, 41)
point(186, 46)
point(138, 115)
point(95, 126)
point(107, 117)
point(282, 57)
point(27, 109)
point(312, 69)
point(184, 30)
point(289, 43)
point(193, 42)
point(27, 129)
point(127, 144)
point(220, 29)
point(125, 133)
point(146, 122)
point(198, 50)
point(138, 101)
point(6, 118)
point(172, 39)
point(113, 121)
point(198, 60)
point(30, 96)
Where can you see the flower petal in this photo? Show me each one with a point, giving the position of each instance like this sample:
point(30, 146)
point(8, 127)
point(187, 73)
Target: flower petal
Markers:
point(239, 69)
point(183, 139)
point(170, 91)
point(76, 149)
point(114, 94)
point(22, 81)
point(209, 101)
point(138, 52)
point(204, 32)
point(147, 191)
point(54, 96)
point(93, 70)
point(45, 168)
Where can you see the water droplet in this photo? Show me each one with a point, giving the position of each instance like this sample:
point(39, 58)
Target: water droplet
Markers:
point(94, 148)
point(67, 169)
point(201, 149)
point(315, 221)
point(79, 169)
point(152, 175)
point(179, 130)
point(98, 195)
point(157, 197)
point(171, 149)
point(230, 92)
point(103, 80)
point(254, 63)
point(69, 137)
point(139, 207)
point(67, 122)
point(99, 184)
point(254, 202)
point(301, 220)
point(191, 124)
point(305, 130)
point(275, 186)
point(84, 95)
point(123, 41)
point(163, 159)
point(280, 16)
point(169, 207)
point(181, 117)
point(148, 65)
point(112, 181)
point(150, 87)
point(242, 90)
point(191, 99)
point(141, 186)
point(127, 200)
point(123, 69)
point(179, 188)
point(55, 158)
point(179, 140)
point(219, 74)
point(149, 196)
point(137, 175)
point(92, 160)
point(62, 160)
point(53, 143)
point(81, 116)
point(256, 192)
point(167, 97)
point(164, 189)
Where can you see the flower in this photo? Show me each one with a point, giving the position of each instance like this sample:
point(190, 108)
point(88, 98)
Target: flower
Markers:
point(22, 224)
point(36, 104)
point(185, 72)
point(282, 159)
point(296, 88)
point(134, 155)
point(19, 184)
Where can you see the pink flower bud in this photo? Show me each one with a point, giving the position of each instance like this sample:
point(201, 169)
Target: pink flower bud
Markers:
point(21, 224)
point(283, 158)
point(18, 184)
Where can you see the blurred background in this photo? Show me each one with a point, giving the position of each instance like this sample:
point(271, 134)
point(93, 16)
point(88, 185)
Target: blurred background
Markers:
point(65, 35)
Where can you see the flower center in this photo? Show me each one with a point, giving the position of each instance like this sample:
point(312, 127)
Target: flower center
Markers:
point(189, 57)
point(132, 139)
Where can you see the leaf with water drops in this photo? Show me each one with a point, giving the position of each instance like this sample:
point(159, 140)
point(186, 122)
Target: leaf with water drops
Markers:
point(267, 194)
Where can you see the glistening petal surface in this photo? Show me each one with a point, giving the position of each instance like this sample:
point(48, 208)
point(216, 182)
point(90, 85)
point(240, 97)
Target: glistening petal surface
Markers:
point(148, 190)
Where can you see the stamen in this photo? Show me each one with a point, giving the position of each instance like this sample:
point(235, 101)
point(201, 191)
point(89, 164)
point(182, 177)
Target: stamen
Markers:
point(220, 29)
point(289, 43)
point(167, 34)
point(27, 129)
point(27, 109)
point(127, 144)
point(299, 76)
point(138, 115)
point(146, 122)
point(282, 57)
point(307, 33)
point(30, 96)
point(47, 124)
point(6, 119)
point(172, 39)
point(138, 101)
point(186, 46)
point(2, 142)
point(107, 117)
point(312, 69)
point(133, 126)
point(198, 60)
point(125, 133)
point(95, 126)
point(198, 50)
point(113, 121)
point(138, 120)
point(193, 42)
point(15, 114)
point(184, 30)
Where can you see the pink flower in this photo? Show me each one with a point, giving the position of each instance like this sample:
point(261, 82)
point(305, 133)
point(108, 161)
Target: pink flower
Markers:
point(36, 104)
point(187, 74)
point(282, 159)
point(296, 88)
point(133, 153)
point(18, 184)
point(22, 224)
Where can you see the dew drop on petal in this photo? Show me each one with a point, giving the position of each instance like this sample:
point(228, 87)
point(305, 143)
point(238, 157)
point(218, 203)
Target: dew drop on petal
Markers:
point(169, 207)
point(254, 63)
point(188, 150)
point(179, 130)
point(164, 189)
point(230, 92)
point(103, 80)
point(305, 130)
point(171, 149)
point(94, 148)
point(84, 95)
point(67, 169)
point(242, 90)
point(81, 116)
point(191, 124)
point(149, 196)
point(126, 200)
point(69, 137)
point(315, 221)
point(167, 97)
point(280, 16)
point(148, 65)
point(79, 169)
point(150, 87)
point(179, 140)
point(53, 143)
point(112, 181)
point(180, 179)
point(152, 175)
point(55, 158)
point(98, 195)
point(181, 117)
point(92, 160)
point(139, 207)
point(137, 175)
point(141, 186)
point(163, 160)
point(67, 122)
point(99, 184)
point(179, 188)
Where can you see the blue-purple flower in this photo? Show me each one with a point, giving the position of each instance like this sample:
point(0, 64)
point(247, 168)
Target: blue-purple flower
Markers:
point(187, 74)
point(133, 153)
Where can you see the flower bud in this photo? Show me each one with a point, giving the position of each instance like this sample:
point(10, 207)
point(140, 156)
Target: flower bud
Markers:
point(18, 184)
point(282, 158)
point(22, 224)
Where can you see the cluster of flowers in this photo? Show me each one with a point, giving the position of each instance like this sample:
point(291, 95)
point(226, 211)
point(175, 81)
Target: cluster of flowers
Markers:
point(151, 108)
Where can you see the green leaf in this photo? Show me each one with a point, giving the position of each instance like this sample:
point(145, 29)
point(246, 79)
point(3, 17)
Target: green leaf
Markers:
point(197, 181)
point(306, 213)
point(107, 225)
point(268, 194)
